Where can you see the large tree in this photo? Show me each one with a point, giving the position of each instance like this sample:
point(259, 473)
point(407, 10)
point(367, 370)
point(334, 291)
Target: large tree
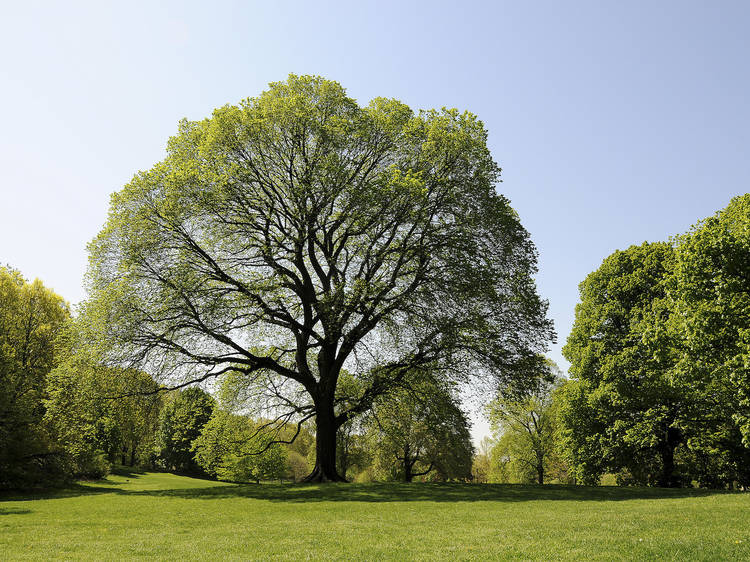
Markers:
point(622, 411)
point(711, 328)
point(297, 234)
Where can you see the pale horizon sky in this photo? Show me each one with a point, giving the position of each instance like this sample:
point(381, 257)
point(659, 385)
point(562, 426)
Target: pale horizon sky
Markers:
point(614, 122)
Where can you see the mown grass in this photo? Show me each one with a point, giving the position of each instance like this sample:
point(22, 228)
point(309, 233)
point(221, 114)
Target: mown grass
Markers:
point(168, 517)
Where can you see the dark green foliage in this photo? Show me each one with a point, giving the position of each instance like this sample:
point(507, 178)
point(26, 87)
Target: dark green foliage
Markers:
point(623, 412)
point(180, 423)
point(711, 326)
point(659, 359)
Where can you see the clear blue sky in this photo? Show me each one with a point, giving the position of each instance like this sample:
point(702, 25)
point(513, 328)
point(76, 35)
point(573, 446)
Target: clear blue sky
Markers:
point(614, 122)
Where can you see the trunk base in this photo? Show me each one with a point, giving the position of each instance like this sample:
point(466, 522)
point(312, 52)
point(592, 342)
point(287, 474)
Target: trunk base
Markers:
point(319, 475)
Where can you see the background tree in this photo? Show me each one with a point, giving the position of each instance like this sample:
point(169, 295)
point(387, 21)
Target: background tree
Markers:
point(100, 415)
point(297, 234)
point(353, 450)
point(711, 329)
point(525, 423)
point(180, 423)
point(624, 411)
point(419, 430)
point(30, 317)
point(481, 464)
point(228, 448)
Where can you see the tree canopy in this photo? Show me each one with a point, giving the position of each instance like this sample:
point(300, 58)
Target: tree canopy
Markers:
point(622, 408)
point(298, 233)
point(659, 355)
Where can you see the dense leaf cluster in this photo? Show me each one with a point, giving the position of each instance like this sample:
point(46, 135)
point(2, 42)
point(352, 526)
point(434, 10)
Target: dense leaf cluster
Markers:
point(659, 358)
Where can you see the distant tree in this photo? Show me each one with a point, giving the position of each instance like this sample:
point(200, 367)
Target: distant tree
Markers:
point(30, 317)
point(299, 233)
point(525, 424)
point(228, 448)
point(180, 423)
point(480, 466)
point(419, 430)
point(100, 415)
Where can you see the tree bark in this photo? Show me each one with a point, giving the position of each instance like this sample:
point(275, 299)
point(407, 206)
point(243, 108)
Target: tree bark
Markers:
point(666, 478)
point(325, 444)
point(408, 464)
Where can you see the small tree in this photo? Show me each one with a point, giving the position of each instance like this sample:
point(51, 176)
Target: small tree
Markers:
point(180, 423)
point(228, 446)
point(422, 429)
point(526, 424)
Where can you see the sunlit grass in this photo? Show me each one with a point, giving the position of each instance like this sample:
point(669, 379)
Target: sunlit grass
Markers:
point(170, 517)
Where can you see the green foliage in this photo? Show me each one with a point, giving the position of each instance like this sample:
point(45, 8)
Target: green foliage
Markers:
point(180, 423)
point(353, 451)
point(659, 358)
point(418, 430)
point(234, 448)
point(100, 415)
point(624, 411)
point(711, 328)
point(30, 318)
point(525, 424)
point(315, 229)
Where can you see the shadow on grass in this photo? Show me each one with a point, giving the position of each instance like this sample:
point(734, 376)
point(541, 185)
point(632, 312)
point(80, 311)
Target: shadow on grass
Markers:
point(13, 511)
point(81, 488)
point(394, 492)
point(375, 493)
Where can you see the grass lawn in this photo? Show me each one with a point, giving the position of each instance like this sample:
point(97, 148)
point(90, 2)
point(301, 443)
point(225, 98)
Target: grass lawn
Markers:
point(170, 517)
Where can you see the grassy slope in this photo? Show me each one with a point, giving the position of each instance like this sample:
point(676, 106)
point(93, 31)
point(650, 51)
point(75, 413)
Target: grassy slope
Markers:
point(171, 517)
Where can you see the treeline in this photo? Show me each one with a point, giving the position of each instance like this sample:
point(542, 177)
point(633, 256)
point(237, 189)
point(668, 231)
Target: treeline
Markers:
point(658, 394)
point(659, 389)
point(65, 416)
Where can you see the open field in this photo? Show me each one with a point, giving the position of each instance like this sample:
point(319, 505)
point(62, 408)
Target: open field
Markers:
point(164, 516)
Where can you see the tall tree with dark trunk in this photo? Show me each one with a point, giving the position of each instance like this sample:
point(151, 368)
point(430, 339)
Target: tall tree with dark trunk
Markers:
point(298, 234)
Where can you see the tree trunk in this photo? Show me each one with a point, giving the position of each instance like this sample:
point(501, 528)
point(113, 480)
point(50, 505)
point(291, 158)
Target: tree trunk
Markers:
point(666, 478)
point(540, 474)
point(325, 445)
point(408, 464)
